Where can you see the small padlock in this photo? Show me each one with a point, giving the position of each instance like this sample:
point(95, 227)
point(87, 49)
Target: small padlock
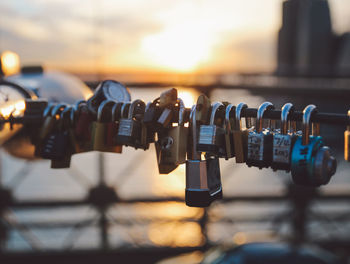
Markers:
point(229, 124)
point(203, 183)
point(283, 142)
point(104, 130)
point(347, 141)
point(46, 127)
point(172, 144)
point(152, 113)
point(56, 143)
point(82, 124)
point(311, 163)
point(203, 107)
point(259, 152)
point(70, 146)
point(240, 135)
point(212, 137)
point(130, 128)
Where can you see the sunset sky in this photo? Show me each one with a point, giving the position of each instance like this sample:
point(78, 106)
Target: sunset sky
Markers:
point(148, 35)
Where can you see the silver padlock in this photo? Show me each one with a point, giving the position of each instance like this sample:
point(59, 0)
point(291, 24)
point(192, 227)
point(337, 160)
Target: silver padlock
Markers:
point(283, 141)
point(212, 137)
point(259, 152)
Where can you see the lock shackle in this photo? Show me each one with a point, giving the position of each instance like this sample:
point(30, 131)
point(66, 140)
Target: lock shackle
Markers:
point(285, 111)
point(181, 111)
point(238, 114)
point(116, 108)
point(193, 125)
point(75, 110)
point(68, 110)
point(124, 108)
point(134, 104)
point(307, 113)
point(215, 107)
point(48, 109)
point(259, 116)
point(228, 111)
point(156, 101)
point(57, 109)
point(101, 108)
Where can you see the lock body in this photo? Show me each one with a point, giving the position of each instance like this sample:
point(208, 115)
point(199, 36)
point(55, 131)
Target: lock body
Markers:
point(203, 182)
point(259, 152)
point(303, 158)
point(282, 151)
point(211, 140)
point(172, 147)
point(129, 132)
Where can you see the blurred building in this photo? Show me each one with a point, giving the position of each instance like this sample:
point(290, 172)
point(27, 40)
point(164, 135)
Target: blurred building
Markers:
point(307, 45)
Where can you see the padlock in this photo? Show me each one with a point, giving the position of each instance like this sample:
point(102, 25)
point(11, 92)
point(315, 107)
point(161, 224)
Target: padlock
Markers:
point(130, 128)
point(168, 98)
point(229, 124)
point(51, 114)
point(104, 130)
point(203, 107)
point(82, 124)
point(311, 163)
point(240, 135)
point(152, 113)
point(172, 144)
point(283, 141)
point(347, 141)
point(259, 152)
point(203, 183)
point(46, 127)
point(56, 143)
point(71, 145)
point(212, 137)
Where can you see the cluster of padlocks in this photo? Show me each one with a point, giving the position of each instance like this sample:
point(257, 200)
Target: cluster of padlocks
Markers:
point(197, 137)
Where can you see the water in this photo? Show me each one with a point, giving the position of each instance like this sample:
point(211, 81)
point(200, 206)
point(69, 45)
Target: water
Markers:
point(134, 174)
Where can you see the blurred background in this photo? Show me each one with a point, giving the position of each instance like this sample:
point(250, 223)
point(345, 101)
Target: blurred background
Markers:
point(238, 51)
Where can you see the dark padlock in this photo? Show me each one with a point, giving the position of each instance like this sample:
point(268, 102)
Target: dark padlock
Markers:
point(229, 124)
point(203, 183)
point(45, 129)
point(66, 129)
point(108, 90)
point(56, 144)
point(130, 129)
point(259, 152)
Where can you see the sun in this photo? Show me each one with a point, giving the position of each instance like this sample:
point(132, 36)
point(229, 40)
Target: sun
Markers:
point(181, 47)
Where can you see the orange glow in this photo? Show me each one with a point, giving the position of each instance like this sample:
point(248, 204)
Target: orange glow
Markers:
point(182, 47)
point(10, 62)
point(240, 238)
point(175, 234)
point(13, 108)
point(187, 97)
